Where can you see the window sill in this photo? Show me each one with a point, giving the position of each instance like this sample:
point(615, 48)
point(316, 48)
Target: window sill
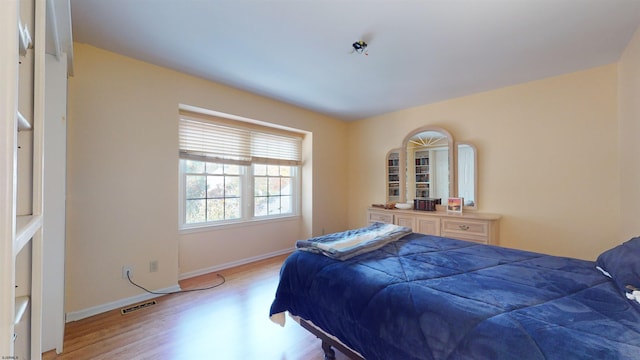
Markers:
point(209, 227)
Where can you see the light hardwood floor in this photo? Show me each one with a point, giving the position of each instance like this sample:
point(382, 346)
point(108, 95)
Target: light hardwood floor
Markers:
point(226, 323)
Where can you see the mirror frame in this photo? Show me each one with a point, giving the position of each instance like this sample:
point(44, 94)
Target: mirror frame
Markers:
point(475, 173)
point(452, 164)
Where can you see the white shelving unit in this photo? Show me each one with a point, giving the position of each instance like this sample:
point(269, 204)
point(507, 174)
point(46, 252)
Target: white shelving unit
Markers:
point(21, 159)
point(35, 40)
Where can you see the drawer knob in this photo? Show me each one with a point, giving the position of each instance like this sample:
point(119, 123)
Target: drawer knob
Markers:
point(463, 227)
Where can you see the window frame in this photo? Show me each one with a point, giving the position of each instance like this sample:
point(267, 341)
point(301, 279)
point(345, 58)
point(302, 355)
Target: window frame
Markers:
point(295, 193)
point(247, 179)
point(247, 202)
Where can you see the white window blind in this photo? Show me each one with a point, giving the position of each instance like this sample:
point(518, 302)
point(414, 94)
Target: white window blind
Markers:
point(209, 138)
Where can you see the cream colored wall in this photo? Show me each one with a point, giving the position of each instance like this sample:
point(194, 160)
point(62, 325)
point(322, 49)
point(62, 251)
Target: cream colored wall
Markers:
point(123, 178)
point(629, 93)
point(548, 159)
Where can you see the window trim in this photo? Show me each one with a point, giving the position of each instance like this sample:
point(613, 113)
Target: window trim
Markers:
point(248, 178)
point(204, 227)
point(247, 202)
point(295, 193)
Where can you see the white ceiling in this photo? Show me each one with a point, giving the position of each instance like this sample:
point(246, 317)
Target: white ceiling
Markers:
point(420, 51)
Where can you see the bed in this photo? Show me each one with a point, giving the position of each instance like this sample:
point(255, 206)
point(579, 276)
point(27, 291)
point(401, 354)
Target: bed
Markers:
point(429, 297)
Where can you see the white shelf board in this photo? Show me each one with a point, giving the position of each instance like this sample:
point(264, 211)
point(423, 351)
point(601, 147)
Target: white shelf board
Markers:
point(26, 227)
point(21, 307)
point(25, 41)
point(23, 123)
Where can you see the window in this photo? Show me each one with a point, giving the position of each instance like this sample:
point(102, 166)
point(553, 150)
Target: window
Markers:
point(273, 189)
point(234, 171)
point(212, 191)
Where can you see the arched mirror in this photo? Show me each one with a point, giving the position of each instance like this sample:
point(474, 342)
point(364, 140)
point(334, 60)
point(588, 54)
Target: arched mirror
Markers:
point(467, 177)
point(428, 155)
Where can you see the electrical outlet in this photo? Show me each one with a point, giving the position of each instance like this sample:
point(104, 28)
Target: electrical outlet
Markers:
point(127, 269)
point(153, 266)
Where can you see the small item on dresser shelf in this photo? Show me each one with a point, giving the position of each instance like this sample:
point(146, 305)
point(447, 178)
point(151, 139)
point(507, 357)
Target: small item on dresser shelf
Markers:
point(390, 205)
point(428, 204)
point(454, 205)
point(404, 206)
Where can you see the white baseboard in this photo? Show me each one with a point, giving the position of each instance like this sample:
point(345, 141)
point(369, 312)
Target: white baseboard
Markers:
point(228, 265)
point(95, 310)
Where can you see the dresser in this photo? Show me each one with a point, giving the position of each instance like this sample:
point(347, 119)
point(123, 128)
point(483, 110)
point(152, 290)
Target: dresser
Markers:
point(471, 226)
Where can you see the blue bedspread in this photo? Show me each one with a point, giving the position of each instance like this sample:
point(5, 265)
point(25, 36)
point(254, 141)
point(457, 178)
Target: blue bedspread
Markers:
point(427, 297)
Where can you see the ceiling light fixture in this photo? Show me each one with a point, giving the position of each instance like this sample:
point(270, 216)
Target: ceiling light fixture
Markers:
point(360, 47)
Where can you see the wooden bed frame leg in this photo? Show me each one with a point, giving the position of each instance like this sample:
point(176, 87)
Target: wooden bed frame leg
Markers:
point(329, 353)
point(328, 343)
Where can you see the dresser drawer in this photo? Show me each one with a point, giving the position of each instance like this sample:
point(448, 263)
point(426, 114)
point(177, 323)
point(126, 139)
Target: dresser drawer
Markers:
point(464, 229)
point(428, 225)
point(375, 216)
point(405, 220)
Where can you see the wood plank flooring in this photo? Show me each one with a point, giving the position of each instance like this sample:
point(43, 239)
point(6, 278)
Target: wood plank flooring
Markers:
point(226, 323)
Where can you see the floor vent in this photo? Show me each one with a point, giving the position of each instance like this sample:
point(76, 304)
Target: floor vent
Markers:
point(132, 308)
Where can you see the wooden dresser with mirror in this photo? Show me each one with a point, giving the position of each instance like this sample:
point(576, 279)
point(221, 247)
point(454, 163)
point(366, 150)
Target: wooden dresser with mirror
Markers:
point(422, 169)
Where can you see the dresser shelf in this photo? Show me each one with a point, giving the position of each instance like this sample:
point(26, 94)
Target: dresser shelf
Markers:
point(393, 175)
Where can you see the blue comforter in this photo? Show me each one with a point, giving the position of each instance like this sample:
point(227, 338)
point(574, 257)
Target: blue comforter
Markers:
point(427, 297)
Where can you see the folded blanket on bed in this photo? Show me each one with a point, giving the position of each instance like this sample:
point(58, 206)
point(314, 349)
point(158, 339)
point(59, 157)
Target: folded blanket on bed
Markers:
point(347, 244)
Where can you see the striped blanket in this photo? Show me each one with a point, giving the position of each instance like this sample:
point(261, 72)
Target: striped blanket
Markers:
point(347, 244)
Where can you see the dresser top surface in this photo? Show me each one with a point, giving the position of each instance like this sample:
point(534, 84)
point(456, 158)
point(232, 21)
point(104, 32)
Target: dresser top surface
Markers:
point(470, 215)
